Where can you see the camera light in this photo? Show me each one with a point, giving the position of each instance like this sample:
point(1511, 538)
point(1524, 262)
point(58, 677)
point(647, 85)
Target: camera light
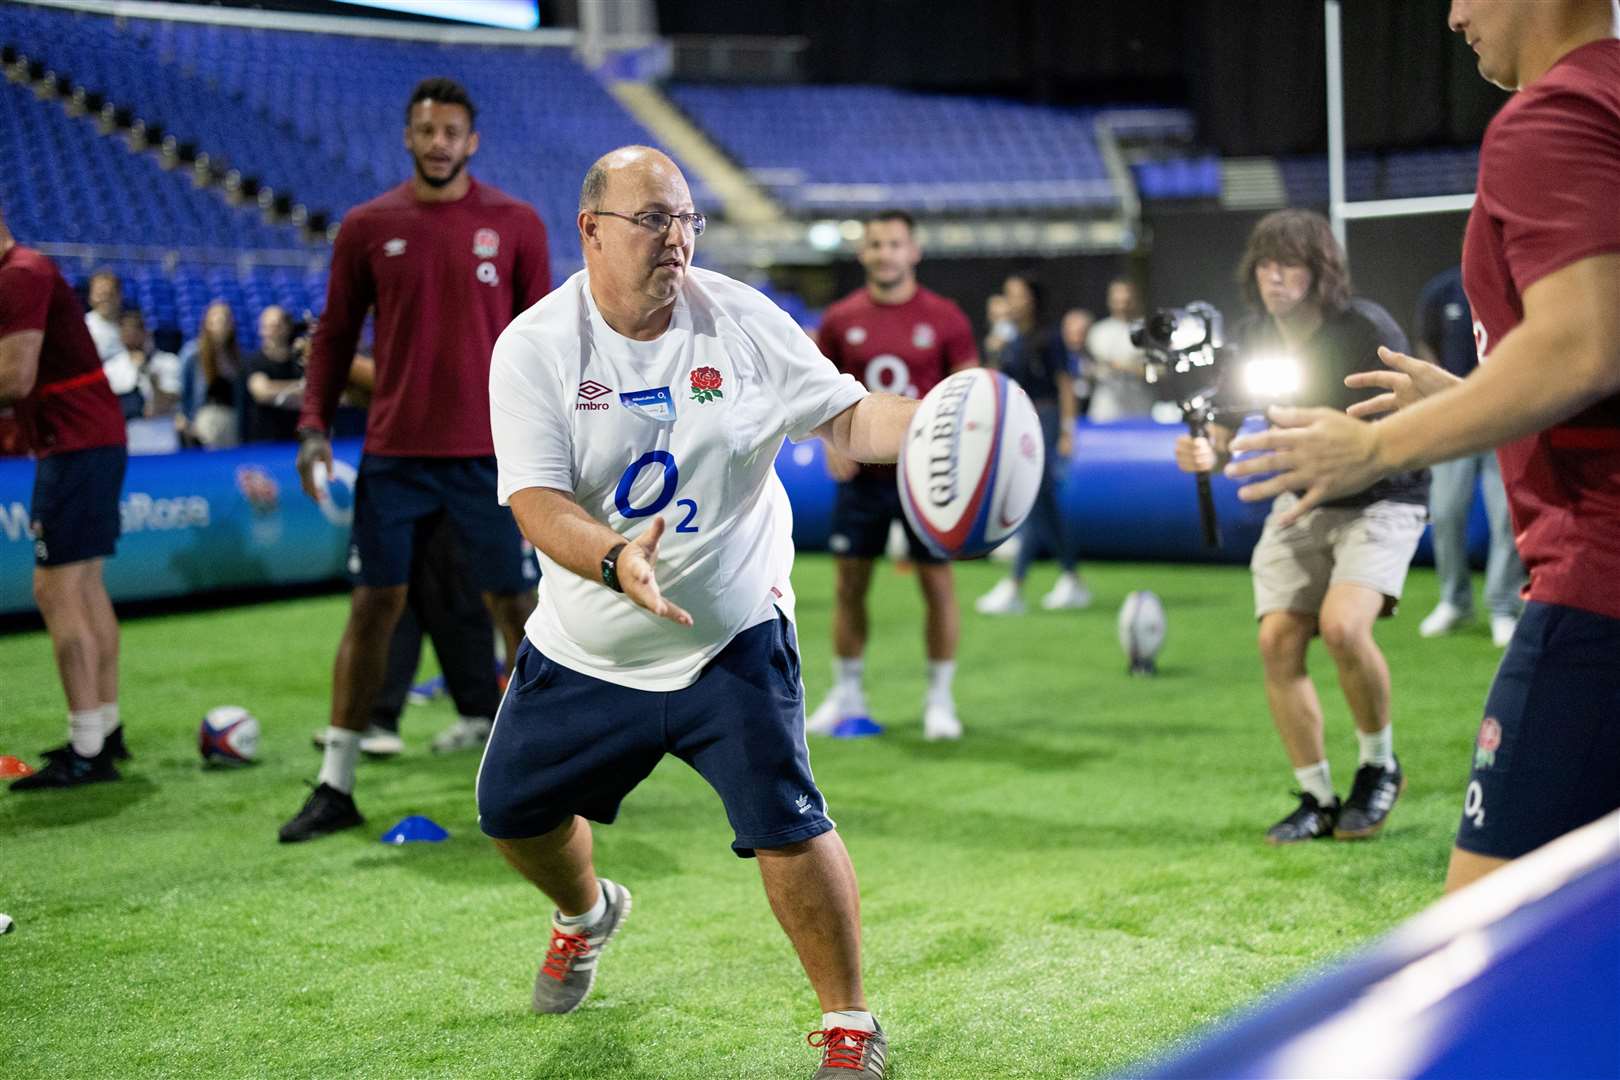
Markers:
point(1272, 377)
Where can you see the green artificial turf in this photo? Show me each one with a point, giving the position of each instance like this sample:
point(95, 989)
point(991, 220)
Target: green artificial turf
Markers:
point(1075, 885)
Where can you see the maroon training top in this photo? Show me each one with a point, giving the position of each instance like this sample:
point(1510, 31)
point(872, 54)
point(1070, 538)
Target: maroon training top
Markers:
point(446, 278)
point(1549, 196)
point(70, 407)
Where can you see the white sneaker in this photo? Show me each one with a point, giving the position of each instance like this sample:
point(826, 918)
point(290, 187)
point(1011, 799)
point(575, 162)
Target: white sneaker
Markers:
point(1443, 619)
point(374, 741)
point(1004, 599)
point(1502, 627)
point(834, 710)
point(1070, 593)
point(940, 722)
point(467, 733)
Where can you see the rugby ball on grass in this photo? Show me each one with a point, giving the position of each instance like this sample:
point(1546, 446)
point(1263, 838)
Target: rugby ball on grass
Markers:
point(1141, 631)
point(229, 735)
point(971, 463)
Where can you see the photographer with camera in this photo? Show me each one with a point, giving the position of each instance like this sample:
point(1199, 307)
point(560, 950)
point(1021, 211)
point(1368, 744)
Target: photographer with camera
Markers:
point(1341, 567)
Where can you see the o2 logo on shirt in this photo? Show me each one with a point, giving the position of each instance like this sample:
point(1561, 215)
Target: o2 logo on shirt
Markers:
point(666, 492)
point(1482, 340)
point(889, 374)
point(487, 273)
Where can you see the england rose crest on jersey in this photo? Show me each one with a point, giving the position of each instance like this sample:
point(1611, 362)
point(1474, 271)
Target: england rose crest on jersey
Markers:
point(486, 243)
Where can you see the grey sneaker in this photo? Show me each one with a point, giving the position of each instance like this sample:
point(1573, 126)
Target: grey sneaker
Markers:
point(467, 733)
point(570, 965)
point(847, 1054)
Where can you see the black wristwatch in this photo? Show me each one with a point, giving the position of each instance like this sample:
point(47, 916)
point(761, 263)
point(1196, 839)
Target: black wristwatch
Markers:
point(610, 567)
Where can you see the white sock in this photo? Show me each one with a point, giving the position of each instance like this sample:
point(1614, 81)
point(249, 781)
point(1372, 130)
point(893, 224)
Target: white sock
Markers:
point(1316, 780)
point(337, 765)
point(847, 674)
point(940, 674)
point(853, 1019)
point(587, 918)
point(109, 718)
point(1379, 747)
point(84, 732)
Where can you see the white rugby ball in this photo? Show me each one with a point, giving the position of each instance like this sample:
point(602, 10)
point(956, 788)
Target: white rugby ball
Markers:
point(1141, 631)
point(229, 735)
point(971, 463)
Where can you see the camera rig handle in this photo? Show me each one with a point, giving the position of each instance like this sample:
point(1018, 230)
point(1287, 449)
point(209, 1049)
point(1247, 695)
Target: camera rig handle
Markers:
point(1196, 413)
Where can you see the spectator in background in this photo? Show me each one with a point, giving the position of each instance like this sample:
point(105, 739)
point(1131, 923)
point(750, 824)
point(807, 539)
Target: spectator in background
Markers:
point(1445, 336)
point(1119, 388)
point(1039, 362)
point(106, 304)
point(1076, 324)
point(210, 371)
point(998, 313)
point(157, 373)
point(275, 381)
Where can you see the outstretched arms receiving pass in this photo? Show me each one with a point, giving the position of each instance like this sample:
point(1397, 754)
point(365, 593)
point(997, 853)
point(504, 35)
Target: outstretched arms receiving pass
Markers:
point(1561, 359)
point(871, 430)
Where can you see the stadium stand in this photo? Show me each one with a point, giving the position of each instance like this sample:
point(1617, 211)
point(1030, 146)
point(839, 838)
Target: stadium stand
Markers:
point(932, 152)
point(1398, 175)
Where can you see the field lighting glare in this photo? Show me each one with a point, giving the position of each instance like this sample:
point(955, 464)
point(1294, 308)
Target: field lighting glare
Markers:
point(1271, 377)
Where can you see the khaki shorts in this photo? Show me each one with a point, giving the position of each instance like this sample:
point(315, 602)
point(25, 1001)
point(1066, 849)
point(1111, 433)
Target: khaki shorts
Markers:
point(1372, 546)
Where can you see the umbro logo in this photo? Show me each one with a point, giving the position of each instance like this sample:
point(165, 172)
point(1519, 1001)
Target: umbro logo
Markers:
point(589, 391)
point(396, 246)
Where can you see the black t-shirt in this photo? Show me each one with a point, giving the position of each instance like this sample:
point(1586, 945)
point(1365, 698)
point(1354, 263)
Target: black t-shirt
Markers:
point(1034, 361)
point(270, 423)
point(1346, 342)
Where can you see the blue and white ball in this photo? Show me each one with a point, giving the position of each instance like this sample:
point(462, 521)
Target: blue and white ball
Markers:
point(971, 463)
point(1142, 629)
point(229, 735)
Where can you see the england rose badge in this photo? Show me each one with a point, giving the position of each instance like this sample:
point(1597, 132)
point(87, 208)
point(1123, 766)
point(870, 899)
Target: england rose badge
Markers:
point(706, 385)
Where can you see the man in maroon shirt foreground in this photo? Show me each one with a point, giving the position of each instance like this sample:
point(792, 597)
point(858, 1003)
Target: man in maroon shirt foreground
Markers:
point(447, 262)
point(1541, 266)
point(50, 374)
point(897, 337)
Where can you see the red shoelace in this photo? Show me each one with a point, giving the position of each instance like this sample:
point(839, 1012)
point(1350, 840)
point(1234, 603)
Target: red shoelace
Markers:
point(560, 956)
point(845, 1048)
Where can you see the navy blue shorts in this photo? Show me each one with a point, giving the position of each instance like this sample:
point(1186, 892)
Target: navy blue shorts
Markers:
point(75, 505)
point(1547, 758)
point(393, 496)
point(566, 743)
point(862, 511)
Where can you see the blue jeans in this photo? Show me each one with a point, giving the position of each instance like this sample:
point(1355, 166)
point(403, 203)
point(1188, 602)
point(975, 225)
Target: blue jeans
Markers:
point(1451, 498)
point(1044, 526)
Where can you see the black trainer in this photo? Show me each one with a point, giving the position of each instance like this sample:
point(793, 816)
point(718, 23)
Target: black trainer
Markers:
point(69, 770)
point(327, 810)
point(1371, 799)
point(113, 748)
point(1311, 821)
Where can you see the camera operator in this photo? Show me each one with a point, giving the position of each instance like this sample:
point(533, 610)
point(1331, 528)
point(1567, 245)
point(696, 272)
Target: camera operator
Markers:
point(1339, 568)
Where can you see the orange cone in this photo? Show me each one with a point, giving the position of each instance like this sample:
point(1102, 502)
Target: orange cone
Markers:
point(13, 767)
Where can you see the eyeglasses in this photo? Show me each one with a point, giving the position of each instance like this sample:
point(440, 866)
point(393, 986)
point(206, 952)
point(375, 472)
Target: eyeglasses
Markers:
point(659, 222)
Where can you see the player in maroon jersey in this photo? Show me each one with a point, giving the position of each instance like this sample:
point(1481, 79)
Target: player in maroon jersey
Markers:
point(1541, 266)
point(447, 262)
point(896, 336)
point(51, 377)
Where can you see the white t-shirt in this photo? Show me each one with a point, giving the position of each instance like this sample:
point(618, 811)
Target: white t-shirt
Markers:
point(686, 427)
point(115, 361)
point(1117, 394)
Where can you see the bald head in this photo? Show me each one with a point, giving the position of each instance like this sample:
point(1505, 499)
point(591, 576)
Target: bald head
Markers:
point(633, 163)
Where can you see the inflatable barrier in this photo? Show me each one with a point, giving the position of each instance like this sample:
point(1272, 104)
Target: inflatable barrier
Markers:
point(199, 521)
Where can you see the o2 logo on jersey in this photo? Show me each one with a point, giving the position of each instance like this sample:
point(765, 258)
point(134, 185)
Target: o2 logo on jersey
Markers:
point(1482, 340)
point(666, 491)
point(487, 273)
point(890, 375)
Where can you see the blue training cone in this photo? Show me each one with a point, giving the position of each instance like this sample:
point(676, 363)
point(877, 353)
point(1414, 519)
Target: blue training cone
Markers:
point(416, 829)
point(856, 727)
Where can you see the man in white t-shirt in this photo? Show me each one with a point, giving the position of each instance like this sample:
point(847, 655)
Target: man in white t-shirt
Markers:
point(1119, 388)
point(106, 296)
point(637, 412)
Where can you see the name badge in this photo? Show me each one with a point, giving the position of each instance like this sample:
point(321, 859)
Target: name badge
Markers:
point(656, 404)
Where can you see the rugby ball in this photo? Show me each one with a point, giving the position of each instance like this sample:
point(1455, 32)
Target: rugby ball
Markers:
point(971, 463)
point(229, 735)
point(1141, 631)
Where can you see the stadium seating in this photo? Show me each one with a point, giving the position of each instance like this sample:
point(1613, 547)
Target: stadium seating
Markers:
point(1400, 175)
point(834, 149)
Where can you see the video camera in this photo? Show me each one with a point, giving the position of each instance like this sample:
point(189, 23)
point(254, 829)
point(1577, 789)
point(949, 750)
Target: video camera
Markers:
point(1187, 351)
